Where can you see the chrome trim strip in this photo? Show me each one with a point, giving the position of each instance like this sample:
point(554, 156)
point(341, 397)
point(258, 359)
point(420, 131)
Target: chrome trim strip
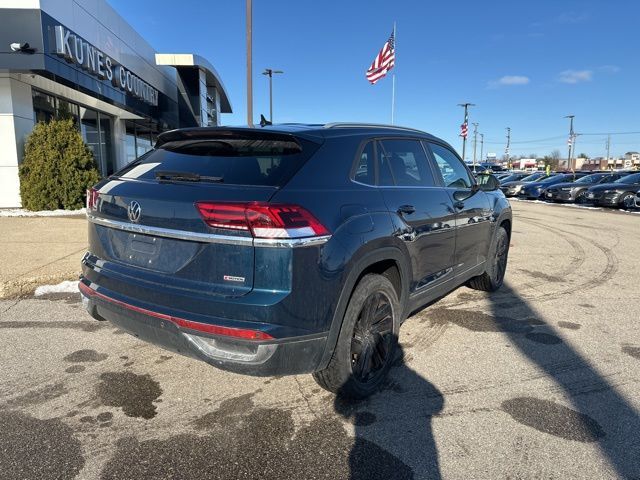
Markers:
point(208, 237)
point(290, 242)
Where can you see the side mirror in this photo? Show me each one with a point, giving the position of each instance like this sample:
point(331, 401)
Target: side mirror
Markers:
point(488, 183)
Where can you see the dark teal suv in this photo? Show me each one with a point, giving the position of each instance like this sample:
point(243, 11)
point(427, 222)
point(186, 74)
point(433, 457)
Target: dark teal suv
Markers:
point(290, 248)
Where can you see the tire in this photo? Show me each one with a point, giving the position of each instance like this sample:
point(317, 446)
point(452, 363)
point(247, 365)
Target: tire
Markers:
point(493, 277)
point(581, 197)
point(367, 342)
point(627, 200)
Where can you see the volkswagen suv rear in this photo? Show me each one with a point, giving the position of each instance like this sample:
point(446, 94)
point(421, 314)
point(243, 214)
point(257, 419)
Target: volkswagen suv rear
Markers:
point(246, 248)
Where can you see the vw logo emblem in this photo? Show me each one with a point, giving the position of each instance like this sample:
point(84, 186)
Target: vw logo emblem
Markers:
point(134, 211)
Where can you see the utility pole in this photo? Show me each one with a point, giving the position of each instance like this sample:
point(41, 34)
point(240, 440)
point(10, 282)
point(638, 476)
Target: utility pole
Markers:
point(463, 127)
point(506, 150)
point(571, 140)
point(475, 140)
point(249, 63)
point(608, 147)
point(270, 72)
point(481, 147)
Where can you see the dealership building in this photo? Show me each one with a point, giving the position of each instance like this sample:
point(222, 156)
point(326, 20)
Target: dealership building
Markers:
point(81, 59)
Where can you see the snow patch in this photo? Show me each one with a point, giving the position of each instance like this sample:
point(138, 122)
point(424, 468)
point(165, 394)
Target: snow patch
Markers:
point(68, 286)
point(21, 212)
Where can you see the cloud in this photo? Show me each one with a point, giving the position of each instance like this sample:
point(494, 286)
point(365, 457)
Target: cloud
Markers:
point(575, 76)
point(609, 68)
point(572, 18)
point(509, 80)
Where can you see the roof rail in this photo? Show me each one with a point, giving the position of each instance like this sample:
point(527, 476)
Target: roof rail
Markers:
point(369, 125)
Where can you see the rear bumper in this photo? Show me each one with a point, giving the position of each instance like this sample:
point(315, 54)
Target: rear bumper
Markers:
point(282, 356)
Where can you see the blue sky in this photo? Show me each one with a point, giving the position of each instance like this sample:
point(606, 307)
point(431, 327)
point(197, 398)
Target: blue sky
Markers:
point(525, 64)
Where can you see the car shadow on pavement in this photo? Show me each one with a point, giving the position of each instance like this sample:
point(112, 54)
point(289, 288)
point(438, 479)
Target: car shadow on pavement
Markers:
point(394, 425)
point(599, 412)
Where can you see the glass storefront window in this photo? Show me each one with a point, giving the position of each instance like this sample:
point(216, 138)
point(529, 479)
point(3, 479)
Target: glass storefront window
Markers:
point(44, 107)
point(65, 109)
point(140, 138)
point(91, 134)
point(106, 143)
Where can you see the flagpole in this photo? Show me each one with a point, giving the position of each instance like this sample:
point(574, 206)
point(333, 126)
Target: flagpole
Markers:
point(393, 79)
point(393, 96)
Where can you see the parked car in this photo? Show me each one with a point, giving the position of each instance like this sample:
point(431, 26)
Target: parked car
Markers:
point(511, 177)
point(493, 167)
point(290, 249)
point(512, 188)
point(620, 193)
point(534, 190)
point(477, 168)
point(637, 199)
point(576, 191)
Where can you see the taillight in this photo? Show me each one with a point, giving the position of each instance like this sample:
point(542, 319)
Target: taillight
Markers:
point(92, 198)
point(263, 220)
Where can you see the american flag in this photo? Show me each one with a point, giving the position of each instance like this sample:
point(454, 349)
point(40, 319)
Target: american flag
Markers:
point(464, 130)
point(384, 61)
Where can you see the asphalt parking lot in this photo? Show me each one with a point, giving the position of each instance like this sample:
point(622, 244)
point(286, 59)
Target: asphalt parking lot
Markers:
point(540, 380)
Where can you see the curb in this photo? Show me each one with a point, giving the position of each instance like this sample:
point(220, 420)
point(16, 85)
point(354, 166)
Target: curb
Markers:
point(25, 286)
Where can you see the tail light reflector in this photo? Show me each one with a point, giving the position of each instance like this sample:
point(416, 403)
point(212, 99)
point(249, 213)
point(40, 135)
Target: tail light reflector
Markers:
point(92, 198)
point(262, 220)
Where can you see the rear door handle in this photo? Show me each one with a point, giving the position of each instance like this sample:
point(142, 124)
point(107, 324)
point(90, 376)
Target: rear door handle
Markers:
point(406, 209)
point(458, 205)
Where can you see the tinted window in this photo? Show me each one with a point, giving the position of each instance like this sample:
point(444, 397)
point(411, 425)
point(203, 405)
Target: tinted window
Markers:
point(533, 177)
point(635, 178)
point(237, 161)
point(454, 174)
point(405, 162)
point(590, 179)
point(365, 166)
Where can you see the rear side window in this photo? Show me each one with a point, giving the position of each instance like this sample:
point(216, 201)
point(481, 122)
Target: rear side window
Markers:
point(229, 160)
point(403, 163)
point(365, 168)
point(454, 173)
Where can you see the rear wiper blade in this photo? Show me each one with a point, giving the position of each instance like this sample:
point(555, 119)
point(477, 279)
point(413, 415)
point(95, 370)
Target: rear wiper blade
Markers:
point(185, 177)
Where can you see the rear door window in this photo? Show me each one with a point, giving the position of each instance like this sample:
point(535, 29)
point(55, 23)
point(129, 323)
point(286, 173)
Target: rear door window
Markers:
point(229, 160)
point(403, 163)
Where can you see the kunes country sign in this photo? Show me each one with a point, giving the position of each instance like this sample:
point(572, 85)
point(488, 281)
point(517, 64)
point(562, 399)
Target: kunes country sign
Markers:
point(76, 50)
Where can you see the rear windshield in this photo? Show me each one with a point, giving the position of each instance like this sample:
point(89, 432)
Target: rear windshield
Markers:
point(235, 161)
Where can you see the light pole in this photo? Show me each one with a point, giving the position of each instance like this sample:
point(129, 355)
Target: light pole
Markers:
point(571, 139)
point(475, 141)
point(481, 147)
point(270, 72)
point(249, 63)
point(506, 150)
point(463, 127)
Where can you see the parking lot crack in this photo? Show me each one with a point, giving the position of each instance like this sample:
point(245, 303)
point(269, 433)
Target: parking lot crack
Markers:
point(306, 399)
point(10, 307)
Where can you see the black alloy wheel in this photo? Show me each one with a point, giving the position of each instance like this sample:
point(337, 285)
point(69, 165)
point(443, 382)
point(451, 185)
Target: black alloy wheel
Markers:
point(372, 338)
point(366, 346)
point(493, 277)
point(627, 200)
point(500, 259)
